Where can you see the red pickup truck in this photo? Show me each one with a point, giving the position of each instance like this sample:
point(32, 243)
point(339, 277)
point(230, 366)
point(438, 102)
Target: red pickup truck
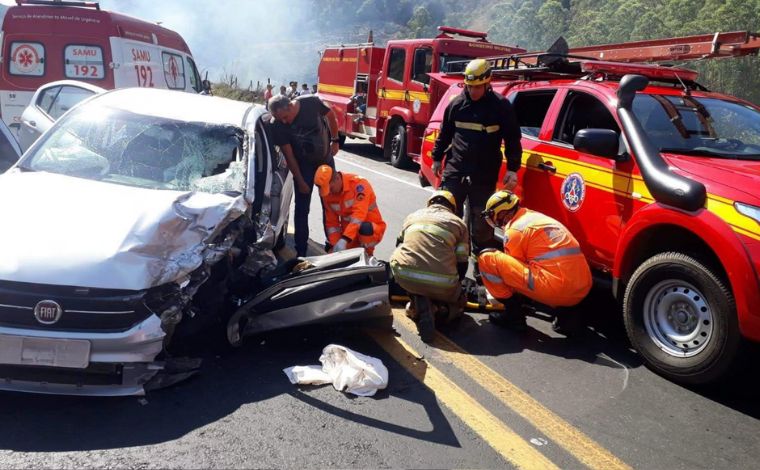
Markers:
point(659, 179)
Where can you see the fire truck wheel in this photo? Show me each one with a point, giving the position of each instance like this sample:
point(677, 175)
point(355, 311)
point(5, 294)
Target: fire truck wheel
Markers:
point(341, 140)
point(681, 318)
point(395, 148)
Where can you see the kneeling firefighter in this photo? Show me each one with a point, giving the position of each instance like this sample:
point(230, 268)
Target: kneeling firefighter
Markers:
point(541, 260)
point(430, 260)
point(352, 218)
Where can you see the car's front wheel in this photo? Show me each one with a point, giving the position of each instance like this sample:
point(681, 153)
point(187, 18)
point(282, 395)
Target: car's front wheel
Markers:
point(681, 317)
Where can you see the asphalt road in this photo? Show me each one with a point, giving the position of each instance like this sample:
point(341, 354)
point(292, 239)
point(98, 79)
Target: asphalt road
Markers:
point(479, 397)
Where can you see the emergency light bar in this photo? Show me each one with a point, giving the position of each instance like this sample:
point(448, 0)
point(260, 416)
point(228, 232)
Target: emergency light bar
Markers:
point(463, 32)
point(59, 3)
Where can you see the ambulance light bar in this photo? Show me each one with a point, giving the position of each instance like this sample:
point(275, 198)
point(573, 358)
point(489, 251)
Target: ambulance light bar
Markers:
point(59, 3)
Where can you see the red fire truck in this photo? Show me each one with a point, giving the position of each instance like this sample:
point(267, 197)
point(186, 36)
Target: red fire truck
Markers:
point(657, 177)
point(49, 40)
point(384, 94)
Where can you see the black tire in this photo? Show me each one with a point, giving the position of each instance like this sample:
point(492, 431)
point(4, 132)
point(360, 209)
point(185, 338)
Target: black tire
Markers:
point(395, 146)
point(690, 295)
point(341, 140)
point(279, 244)
point(423, 181)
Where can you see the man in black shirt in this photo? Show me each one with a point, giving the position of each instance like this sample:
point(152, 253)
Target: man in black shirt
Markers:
point(307, 132)
point(474, 126)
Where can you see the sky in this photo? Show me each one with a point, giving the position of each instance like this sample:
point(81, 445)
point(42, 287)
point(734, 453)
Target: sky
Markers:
point(253, 39)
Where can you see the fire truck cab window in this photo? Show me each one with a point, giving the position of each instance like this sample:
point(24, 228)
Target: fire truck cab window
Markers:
point(396, 65)
point(531, 108)
point(423, 64)
point(582, 111)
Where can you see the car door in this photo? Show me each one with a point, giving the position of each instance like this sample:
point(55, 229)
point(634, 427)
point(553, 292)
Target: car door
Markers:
point(587, 193)
point(51, 104)
point(10, 151)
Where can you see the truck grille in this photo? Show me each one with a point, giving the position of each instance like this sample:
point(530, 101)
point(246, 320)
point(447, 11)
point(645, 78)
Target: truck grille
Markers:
point(83, 309)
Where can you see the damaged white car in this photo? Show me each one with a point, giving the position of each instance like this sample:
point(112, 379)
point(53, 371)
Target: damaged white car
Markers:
point(144, 217)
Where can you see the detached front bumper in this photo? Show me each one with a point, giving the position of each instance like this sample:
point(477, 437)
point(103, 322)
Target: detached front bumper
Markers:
point(118, 363)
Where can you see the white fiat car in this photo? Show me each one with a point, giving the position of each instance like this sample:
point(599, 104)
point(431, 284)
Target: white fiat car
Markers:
point(141, 218)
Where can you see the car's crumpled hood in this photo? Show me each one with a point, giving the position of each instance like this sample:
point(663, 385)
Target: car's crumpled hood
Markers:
point(61, 230)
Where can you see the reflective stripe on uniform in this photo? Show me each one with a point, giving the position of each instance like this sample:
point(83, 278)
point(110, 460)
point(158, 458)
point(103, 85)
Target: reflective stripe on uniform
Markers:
point(476, 126)
point(332, 230)
point(426, 277)
point(531, 281)
point(348, 202)
point(491, 277)
point(530, 218)
point(434, 229)
point(372, 207)
point(335, 207)
point(461, 249)
point(354, 220)
point(558, 253)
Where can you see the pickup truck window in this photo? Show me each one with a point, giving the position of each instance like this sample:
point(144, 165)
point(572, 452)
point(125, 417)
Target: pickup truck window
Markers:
point(531, 108)
point(582, 111)
point(708, 127)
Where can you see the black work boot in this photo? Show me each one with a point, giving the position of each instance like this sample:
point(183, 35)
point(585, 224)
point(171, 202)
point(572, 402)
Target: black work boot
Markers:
point(425, 318)
point(513, 316)
point(566, 322)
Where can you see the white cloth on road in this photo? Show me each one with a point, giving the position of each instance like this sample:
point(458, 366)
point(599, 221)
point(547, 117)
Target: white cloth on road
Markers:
point(348, 371)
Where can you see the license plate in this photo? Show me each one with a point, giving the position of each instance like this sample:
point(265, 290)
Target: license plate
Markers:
point(27, 351)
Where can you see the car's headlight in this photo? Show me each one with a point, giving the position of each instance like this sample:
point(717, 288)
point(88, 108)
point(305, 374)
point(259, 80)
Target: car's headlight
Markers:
point(752, 212)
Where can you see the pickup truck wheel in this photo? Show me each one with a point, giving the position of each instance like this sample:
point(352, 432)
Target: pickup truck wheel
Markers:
point(681, 318)
point(395, 149)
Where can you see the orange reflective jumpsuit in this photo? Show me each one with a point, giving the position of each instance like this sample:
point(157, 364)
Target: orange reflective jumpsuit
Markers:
point(346, 212)
point(542, 260)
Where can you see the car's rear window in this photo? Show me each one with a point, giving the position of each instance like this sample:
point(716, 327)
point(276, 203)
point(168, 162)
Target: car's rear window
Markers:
point(116, 146)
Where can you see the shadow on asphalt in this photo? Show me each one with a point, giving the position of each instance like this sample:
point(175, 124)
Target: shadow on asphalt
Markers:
point(227, 381)
point(369, 151)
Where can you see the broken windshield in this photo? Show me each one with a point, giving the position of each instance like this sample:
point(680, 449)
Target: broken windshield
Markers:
point(121, 147)
point(700, 126)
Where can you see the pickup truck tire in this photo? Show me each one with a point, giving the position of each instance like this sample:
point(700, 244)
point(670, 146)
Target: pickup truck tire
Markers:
point(681, 318)
point(395, 146)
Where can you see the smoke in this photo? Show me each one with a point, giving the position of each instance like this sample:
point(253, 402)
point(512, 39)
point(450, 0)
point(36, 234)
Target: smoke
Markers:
point(252, 40)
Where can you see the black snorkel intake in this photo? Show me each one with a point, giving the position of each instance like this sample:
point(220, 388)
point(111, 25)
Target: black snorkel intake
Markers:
point(666, 187)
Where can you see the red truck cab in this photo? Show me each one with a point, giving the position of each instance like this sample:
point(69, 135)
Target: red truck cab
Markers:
point(384, 94)
point(659, 184)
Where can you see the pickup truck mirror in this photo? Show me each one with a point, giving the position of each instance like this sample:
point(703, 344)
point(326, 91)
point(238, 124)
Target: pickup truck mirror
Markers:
point(599, 142)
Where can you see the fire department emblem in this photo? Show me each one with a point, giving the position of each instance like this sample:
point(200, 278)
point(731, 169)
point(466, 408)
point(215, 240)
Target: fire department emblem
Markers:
point(573, 191)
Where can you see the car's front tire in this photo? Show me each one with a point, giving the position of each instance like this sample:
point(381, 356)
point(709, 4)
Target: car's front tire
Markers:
point(681, 317)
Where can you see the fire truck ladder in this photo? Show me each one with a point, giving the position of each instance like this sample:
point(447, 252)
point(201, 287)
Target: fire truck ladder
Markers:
point(705, 46)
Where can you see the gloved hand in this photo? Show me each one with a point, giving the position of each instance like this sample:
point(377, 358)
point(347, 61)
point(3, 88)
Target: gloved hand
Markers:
point(510, 180)
point(340, 245)
point(436, 168)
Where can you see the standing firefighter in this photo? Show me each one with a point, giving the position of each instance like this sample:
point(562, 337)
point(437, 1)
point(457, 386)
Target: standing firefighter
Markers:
point(430, 260)
point(541, 260)
point(474, 126)
point(352, 218)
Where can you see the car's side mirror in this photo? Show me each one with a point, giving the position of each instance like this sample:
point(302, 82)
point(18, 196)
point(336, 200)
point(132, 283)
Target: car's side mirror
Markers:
point(599, 142)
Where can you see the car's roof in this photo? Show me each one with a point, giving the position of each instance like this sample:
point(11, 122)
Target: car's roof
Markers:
point(176, 105)
point(77, 83)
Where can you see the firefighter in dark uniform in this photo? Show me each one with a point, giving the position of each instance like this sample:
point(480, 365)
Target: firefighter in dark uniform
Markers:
point(474, 126)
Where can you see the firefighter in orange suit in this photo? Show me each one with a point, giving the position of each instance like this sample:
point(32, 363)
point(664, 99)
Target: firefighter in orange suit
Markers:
point(352, 218)
point(541, 260)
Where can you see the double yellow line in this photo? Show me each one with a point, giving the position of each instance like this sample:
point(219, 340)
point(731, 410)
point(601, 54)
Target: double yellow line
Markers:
point(498, 435)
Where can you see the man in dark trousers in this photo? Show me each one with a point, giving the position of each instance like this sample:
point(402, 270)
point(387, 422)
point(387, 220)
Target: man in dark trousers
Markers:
point(474, 126)
point(307, 132)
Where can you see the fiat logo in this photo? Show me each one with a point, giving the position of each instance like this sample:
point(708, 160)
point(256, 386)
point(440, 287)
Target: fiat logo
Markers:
point(47, 312)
